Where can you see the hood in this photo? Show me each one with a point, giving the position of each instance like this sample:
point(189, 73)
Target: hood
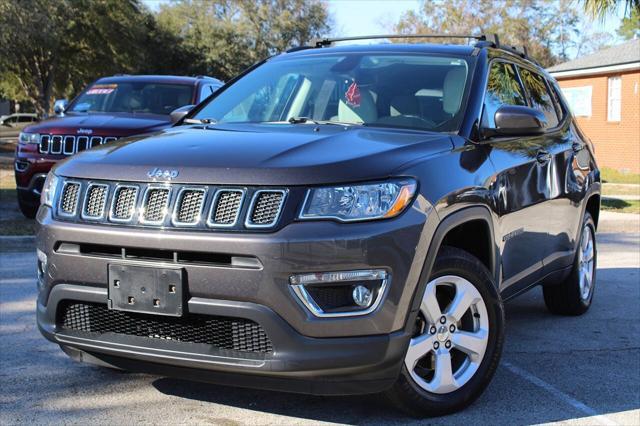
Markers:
point(258, 155)
point(115, 124)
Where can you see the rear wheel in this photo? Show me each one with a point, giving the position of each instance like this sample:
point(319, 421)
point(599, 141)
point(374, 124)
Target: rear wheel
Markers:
point(457, 339)
point(574, 295)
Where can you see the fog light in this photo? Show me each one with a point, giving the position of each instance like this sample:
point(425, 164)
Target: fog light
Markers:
point(341, 294)
point(362, 296)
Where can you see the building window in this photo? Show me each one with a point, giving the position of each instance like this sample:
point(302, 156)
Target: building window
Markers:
point(614, 99)
point(579, 100)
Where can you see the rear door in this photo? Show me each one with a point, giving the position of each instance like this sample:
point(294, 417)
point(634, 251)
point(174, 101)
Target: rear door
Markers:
point(518, 185)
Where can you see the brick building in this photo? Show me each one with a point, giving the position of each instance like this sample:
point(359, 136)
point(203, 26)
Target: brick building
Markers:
point(603, 91)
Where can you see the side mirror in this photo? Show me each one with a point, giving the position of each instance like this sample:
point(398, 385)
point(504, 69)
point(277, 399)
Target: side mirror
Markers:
point(178, 113)
point(59, 106)
point(516, 120)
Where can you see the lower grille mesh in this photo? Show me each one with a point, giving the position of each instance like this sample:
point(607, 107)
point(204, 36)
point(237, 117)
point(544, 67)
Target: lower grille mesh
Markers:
point(221, 332)
point(266, 207)
point(95, 201)
point(156, 205)
point(125, 202)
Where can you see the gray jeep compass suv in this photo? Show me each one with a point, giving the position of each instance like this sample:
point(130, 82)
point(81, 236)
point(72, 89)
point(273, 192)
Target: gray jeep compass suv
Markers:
point(336, 220)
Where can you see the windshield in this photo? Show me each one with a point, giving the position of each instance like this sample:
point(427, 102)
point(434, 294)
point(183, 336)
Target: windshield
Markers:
point(145, 98)
point(413, 91)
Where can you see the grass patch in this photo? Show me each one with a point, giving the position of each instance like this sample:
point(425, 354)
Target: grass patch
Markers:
point(617, 189)
point(621, 206)
point(609, 175)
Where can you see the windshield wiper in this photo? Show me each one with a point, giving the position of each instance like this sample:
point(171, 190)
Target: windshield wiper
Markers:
point(302, 120)
point(199, 121)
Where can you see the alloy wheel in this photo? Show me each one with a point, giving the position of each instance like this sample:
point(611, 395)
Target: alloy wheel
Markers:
point(451, 336)
point(587, 262)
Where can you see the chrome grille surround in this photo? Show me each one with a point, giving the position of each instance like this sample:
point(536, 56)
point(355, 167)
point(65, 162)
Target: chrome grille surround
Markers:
point(188, 207)
point(82, 143)
point(225, 208)
point(43, 146)
point(155, 205)
point(55, 146)
point(265, 208)
point(69, 198)
point(125, 200)
point(70, 144)
point(95, 201)
point(171, 205)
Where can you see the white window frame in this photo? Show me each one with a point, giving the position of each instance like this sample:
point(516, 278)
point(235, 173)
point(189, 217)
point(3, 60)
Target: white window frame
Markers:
point(614, 98)
point(579, 100)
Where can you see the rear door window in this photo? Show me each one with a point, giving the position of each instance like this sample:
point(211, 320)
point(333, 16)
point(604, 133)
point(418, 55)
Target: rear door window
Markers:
point(539, 96)
point(503, 88)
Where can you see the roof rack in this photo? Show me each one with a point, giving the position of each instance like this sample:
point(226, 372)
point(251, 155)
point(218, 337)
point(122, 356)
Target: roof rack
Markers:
point(329, 41)
point(491, 40)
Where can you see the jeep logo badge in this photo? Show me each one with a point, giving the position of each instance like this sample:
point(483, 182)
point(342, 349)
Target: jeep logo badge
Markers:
point(85, 131)
point(162, 174)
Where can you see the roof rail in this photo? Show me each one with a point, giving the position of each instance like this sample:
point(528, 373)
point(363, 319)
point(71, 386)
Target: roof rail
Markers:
point(491, 40)
point(329, 41)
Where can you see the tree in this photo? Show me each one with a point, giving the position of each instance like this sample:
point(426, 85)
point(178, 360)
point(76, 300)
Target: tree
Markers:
point(630, 26)
point(226, 36)
point(551, 30)
point(602, 8)
point(50, 48)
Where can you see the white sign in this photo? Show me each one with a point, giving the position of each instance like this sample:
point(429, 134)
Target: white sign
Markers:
point(579, 100)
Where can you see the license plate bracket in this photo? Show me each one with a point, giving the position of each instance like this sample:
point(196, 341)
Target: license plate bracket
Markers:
point(145, 289)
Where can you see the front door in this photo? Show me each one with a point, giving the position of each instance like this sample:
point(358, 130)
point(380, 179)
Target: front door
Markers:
point(518, 185)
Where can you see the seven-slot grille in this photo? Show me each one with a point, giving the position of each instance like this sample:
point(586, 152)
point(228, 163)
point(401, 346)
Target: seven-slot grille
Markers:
point(170, 205)
point(236, 334)
point(70, 144)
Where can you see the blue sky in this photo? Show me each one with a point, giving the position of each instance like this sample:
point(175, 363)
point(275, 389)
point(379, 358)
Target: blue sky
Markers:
point(366, 17)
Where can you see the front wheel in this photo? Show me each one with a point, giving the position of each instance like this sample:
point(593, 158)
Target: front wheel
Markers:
point(457, 339)
point(28, 206)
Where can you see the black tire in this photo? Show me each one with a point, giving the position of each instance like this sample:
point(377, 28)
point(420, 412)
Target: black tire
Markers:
point(565, 298)
point(406, 394)
point(27, 206)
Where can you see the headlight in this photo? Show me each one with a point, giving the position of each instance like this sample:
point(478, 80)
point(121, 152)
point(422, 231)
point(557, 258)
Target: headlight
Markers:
point(29, 137)
point(49, 189)
point(359, 202)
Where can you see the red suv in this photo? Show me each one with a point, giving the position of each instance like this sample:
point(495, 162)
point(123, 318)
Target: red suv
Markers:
point(110, 108)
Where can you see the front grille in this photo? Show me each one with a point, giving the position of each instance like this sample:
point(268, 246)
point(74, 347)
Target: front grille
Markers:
point(236, 334)
point(171, 205)
point(124, 205)
point(70, 144)
point(266, 207)
point(69, 199)
point(156, 202)
point(95, 201)
point(189, 206)
point(226, 208)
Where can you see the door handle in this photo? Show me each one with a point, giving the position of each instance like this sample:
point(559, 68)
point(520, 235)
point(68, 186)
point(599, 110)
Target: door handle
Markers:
point(577, 146)
point(543, 157)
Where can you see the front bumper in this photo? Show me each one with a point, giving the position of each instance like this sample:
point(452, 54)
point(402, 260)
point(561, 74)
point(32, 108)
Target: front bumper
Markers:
point(311, 355)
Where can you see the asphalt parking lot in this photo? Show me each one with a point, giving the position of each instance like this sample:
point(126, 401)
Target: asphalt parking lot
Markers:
point(583, 370)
